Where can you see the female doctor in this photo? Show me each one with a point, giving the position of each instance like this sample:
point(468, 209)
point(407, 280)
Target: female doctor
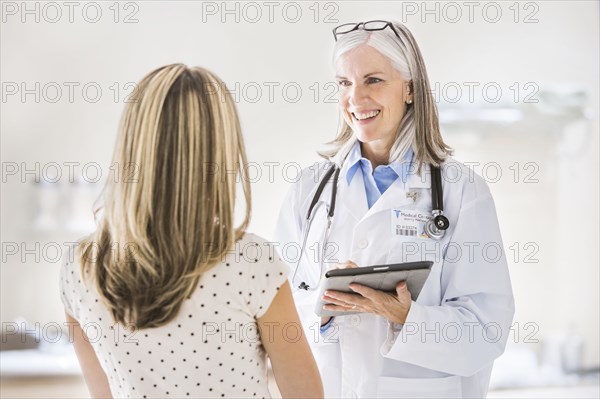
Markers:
point(388, 162)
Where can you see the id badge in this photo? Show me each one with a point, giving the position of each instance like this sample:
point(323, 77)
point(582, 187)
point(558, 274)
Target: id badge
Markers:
point(409, 222)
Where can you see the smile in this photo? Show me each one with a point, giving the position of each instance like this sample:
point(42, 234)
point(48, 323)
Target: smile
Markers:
point(361, 116)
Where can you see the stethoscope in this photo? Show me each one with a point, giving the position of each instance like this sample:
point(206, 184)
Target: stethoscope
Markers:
point(435, 227)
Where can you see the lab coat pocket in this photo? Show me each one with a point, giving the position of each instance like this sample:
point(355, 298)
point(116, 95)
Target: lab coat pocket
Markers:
point(447, 387)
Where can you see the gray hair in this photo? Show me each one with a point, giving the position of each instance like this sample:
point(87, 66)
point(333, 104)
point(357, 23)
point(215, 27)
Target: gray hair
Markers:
point(419, 126)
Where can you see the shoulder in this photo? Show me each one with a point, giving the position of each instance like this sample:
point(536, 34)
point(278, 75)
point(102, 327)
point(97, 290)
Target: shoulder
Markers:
point(77, 264)
point(253, 239)
point(312, 174)
point(70, 262)
point(304, 184)
point(309, 177)
point(315, 170)
point(71, 281)
point(460, 179)
point(256, 250)
point(259, 257)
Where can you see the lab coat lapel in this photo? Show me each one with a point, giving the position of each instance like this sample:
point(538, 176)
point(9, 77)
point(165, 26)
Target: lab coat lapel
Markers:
point(394, 197)
point(352, 197)
point(397, 194)
point(419, 181)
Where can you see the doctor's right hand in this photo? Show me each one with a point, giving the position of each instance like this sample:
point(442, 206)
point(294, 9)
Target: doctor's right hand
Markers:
point(346, 265)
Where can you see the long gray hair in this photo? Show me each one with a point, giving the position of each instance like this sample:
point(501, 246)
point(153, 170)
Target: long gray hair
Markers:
point(419, 126)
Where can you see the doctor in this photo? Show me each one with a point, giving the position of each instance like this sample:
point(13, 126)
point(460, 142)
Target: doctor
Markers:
point(384, 163)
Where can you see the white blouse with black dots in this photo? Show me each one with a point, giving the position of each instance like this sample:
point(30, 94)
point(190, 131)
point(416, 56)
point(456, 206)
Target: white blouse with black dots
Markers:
point(211, 349)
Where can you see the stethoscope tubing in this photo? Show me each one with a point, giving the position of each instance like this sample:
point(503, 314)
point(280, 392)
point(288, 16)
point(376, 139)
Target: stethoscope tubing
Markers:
point(437, 205)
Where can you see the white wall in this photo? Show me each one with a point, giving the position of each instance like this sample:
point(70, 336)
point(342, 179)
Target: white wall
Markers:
point(559, 214)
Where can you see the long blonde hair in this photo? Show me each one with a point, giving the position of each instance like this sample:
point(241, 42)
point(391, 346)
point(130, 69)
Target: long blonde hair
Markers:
point(173, 219)
point(419, 127)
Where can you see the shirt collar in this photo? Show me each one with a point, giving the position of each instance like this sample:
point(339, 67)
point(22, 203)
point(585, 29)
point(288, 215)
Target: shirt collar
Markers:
point(355, 157)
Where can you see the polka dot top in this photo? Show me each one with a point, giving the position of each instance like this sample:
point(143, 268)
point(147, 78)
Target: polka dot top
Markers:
point(211, 349)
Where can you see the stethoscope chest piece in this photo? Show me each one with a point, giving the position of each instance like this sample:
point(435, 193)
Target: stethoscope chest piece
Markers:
point(436, 227)
point(441, 222)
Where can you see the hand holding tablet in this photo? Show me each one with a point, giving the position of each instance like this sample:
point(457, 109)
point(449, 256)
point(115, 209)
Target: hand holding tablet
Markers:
point(380, 277)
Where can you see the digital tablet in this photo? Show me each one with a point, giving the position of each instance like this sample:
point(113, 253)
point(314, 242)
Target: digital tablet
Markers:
point(381, 277)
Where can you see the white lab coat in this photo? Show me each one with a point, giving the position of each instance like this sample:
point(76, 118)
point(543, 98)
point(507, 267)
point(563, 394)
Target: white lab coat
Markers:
point(460, 322)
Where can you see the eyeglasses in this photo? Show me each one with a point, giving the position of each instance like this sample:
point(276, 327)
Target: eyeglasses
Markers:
point(368, 26)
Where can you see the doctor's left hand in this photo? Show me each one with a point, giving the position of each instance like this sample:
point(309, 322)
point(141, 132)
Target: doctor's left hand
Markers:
point(393, 307)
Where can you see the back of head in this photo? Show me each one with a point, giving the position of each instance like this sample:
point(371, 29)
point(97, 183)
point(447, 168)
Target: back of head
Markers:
point(169, 217)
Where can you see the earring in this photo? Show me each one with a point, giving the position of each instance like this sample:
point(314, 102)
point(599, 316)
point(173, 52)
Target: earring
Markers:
point(409, 102)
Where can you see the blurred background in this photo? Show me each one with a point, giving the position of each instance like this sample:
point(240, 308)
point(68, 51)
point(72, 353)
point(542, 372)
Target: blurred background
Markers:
point(517, 88)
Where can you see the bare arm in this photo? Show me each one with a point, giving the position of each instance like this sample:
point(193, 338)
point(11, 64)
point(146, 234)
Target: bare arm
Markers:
point(95, 378)
point(293, 364)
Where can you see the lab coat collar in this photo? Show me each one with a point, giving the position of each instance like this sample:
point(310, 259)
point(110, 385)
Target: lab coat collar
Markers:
point(397, 194)
point(353, 197)
point(415, 180)
point(401, 168)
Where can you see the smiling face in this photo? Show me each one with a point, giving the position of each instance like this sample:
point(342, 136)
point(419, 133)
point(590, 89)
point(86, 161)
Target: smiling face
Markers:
point(372, 94)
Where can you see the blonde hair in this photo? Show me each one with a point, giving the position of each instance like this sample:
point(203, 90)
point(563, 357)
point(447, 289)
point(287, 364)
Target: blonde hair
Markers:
point(419, 127)
point(176, 220)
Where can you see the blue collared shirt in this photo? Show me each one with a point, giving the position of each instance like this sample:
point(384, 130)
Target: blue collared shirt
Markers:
point(376, 183)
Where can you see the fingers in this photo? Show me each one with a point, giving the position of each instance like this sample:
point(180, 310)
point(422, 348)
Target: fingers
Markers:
point(342, 299)
point(333, 301)
point(401, 286)
point(337, 305)
point(337, 308)
point(402, 290)
point(365, 291)
point(345, 265)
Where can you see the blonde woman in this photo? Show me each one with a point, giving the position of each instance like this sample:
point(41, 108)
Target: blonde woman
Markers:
point(394, 195)
point(168, 298)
